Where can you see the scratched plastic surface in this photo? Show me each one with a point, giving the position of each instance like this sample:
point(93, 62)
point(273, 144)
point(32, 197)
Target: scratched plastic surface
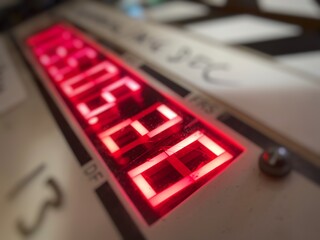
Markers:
point(158, 151)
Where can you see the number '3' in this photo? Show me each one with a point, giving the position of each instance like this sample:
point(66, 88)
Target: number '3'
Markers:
point(26, 229)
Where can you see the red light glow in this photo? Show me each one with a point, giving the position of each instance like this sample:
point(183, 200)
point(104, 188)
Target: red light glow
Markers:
point(83, 81)
point(134, 123)
point(157, 151)
point(189, 177)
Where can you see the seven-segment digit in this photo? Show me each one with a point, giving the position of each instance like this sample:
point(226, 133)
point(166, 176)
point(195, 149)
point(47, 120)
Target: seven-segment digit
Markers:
point(108, 97)
point(65, 62)
point(220, 156)
point(133, 125)
point(88, 79)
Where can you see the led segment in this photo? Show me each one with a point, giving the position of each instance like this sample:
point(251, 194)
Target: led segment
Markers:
point(86, 80)
point(108, 99)
point(159, 153)
point(189, 177)
point(134, 124)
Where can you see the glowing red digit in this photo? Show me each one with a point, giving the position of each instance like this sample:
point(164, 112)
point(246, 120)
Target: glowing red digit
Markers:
point(87, 52)
point(42, 38)
point(71, 61)
point(135, 124)
point(58, 40)
point(108, 97)
point(188, 177)
point(62, 57)
point(59, 73)
point(60, 51)
point(84, 81)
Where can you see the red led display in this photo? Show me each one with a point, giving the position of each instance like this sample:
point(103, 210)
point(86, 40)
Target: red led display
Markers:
point(158, 152)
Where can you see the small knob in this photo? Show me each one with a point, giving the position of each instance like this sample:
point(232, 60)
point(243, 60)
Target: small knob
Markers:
point(275, 162)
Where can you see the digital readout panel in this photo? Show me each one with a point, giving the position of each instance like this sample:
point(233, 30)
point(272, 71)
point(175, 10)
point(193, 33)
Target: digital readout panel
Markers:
point(158, 151)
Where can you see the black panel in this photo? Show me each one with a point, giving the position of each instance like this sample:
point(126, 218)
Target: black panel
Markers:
point(172, 85)
point(117, 212)
point(304, 43)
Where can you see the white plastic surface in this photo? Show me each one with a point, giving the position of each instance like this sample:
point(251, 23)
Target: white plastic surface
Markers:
point(244, 28)
point(303, 8)
point(176, 10)
point(308, 62)
point(12, 91)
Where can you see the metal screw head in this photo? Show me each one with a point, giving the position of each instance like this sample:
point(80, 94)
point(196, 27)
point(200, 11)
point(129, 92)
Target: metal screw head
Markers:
point(275, 162)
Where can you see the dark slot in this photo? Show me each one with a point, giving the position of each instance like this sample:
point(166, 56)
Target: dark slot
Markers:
point(117, 212)
point(164, 80)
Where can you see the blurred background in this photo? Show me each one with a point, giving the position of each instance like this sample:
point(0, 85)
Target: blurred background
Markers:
point(288, 30)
